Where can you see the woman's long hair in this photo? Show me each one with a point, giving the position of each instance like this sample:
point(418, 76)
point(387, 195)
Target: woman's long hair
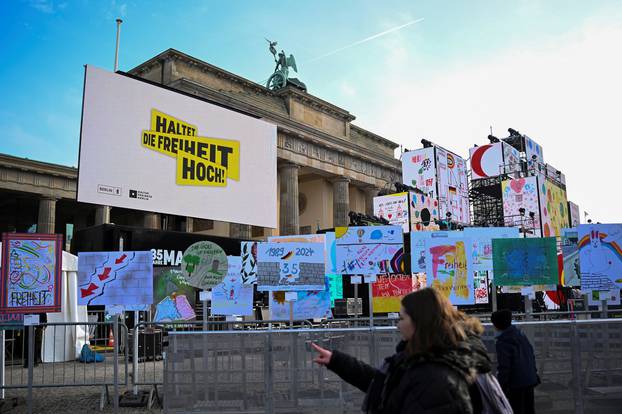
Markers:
point(438, 325)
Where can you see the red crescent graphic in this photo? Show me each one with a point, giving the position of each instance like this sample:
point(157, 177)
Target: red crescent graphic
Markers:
point(476, 160)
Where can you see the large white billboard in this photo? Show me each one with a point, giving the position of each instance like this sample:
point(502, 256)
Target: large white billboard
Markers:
point(148, 148)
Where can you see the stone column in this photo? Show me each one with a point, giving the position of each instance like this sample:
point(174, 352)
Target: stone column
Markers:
point(46, 222)
point(189, 225)
point(341, 201)
point(151, 221)
point(102, 215)
point(289, 222)
point(240, 231)
point(370, 193)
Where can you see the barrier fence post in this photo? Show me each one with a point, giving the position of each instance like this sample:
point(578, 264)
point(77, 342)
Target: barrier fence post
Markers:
point(31, 357)
point(243, 356)
point(605, 309)
point(294, 353)
point(115, 353)
point(493, 295)
point(372, 334)
point(126, 335)
point(2, 364)
point(576, 369)
point(268, 373)
point(135, 358)
point(528, 307)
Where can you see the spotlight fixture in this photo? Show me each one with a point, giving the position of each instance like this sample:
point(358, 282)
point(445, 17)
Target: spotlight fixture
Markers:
point(513, 132)
point(493, 139)
point(521, 211)
point(426, 143)
point(532, 215)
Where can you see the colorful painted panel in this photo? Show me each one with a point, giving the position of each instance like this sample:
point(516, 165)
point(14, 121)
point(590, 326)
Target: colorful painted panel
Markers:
point(525, 261)
point(511, 159)
point(249, 263)
point(443, 184)
point(173, 297)
point(204, 265)
point(482, 243)
point(10, 321)
point(600, 256)
point(419, 170)
point(290, 266)
point(388, 291)
point(595, 298)
point(369, 250)
point(423, 212)
point(553, 209)
point(486, 160)
point(115, 278)
point(532, 148)
point(31, 273)
point(449, 270)
point(309, 305)
point(231, 297)
point(574, 214)
point(571, 275)
point(328, 239)
point(480, 285)
point(393, 208)
point(335, 285)
point(175, 308)
point(331, 252)
point(452, 186)
point(521, 193)
point(418, 246)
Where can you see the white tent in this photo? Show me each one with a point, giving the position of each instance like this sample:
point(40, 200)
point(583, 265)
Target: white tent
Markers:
point(63, 343)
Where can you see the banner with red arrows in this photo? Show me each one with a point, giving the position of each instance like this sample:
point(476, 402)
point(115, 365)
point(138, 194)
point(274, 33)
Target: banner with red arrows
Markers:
point(115, 278)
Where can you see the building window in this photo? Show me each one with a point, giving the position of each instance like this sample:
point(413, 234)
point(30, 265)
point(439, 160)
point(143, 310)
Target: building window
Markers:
point(257, 231)
point(202, 225)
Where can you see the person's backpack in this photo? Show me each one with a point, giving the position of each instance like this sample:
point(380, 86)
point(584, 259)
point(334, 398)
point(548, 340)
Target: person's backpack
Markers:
point(494, 400)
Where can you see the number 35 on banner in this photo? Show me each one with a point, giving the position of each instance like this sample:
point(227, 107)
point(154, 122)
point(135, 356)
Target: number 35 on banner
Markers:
point(288, 268)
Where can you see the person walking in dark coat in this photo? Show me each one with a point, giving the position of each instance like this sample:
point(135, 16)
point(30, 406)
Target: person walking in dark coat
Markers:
point(434, 367)
point(516, 363)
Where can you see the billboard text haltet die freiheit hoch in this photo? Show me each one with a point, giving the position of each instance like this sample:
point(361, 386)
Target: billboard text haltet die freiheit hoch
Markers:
point(200, 160)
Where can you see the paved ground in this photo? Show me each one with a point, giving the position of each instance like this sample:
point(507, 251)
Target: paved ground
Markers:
point(74, 399)
point(233, 381)
point(64, 401)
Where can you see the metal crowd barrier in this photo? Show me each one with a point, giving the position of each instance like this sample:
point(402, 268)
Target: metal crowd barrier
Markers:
point(244, 371)
point(150, 343)
point(266, 366)
point(59, 367)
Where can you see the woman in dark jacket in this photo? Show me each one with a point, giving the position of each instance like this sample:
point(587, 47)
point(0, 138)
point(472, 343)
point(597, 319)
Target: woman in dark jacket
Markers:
point(434, 368)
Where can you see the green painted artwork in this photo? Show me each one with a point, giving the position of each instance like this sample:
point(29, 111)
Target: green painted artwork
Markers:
point(525, 261)
point(204, 265)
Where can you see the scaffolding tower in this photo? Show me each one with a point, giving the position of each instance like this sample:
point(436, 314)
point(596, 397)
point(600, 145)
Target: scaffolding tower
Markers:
point(486, 202)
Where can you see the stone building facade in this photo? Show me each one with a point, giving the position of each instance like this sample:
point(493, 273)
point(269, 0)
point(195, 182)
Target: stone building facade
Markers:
point(327, 166)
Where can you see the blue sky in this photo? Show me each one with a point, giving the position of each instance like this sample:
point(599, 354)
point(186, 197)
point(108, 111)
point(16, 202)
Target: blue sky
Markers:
point(550, 69)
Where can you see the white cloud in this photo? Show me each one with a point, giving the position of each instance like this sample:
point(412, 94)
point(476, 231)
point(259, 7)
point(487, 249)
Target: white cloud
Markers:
point(563, 93)
point(347, 89)
point(44, 6)
point(47, 6)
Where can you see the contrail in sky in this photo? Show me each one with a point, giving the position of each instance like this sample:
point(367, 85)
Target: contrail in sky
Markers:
point(367, 39)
